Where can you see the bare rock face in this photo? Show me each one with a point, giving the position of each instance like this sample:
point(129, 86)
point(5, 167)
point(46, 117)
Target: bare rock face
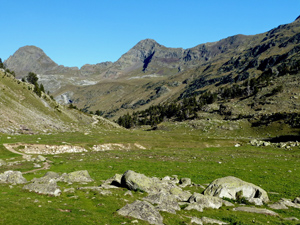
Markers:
point(142, 210)
point(232, 187)
point(12, 177)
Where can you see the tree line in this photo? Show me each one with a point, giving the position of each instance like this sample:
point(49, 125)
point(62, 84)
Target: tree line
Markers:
point(187, 108)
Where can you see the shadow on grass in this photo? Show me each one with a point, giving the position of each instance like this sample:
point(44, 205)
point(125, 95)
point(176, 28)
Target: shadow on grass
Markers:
point(283, 138)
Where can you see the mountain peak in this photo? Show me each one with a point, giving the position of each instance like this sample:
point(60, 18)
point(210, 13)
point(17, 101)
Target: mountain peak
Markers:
point(298, 18)
point(29, 59)
point(146, 43)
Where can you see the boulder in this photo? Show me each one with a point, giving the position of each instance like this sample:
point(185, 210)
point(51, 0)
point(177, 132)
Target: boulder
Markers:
point(278, 205)
point(206, 220)
point(115, 180)
point(297, 200)
point(196, 220)
point(12, 177)
point(289, 203)
point(142, 210)
point(165, 202)
point(206, 201)
point(40, 158)
point(81, 176)
point(47, 177)
point(233, 188)
point(291, 218)
point(136, 181)
point(255, 210)
point(47, 187)
point(194, 206)
point(185, 182)
point(2, 162)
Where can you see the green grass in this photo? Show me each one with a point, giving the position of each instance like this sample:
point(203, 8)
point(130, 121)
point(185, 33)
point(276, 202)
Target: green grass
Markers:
point(181, 151)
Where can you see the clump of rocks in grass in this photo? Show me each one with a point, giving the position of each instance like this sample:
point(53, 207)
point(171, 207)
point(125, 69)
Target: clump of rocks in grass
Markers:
point(285, 145)
point(12, 177)
point(48, 183)
point(167, 195)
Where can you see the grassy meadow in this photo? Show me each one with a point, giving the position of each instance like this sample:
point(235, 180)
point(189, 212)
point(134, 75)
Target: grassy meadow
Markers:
point(200, 152)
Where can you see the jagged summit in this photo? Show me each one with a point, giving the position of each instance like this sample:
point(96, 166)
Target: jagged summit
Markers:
point(147, 43)
point(298, 18)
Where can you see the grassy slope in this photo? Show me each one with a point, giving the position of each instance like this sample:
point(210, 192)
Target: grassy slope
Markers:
point(23, 111)
point(183, 149)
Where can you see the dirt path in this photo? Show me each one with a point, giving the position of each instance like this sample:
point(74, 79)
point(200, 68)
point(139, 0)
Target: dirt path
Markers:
point(9, 148)
point(45, 167)
point(26, 156)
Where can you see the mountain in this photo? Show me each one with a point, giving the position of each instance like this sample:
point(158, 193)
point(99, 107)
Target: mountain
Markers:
point(33, 59)
point(150, 73)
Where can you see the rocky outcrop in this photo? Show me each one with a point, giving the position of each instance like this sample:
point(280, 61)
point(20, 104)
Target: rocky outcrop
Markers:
point(12, 177)
point(142, 210)
point(48, 183)
point(2, 162)
point(44, 186)
point(81, 176)
point(256, 210)
point(164, 201)
point(285, 203)
point(206, 220)
point(233, 188)
point(205, 201)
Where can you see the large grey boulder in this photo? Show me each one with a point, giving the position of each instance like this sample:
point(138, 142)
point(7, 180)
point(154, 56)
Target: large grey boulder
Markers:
point(164, 201)
point(47, 187)
point(81, 176)
point(142, 210)
point(233, 188)
point(185, 182)
point(12, 177)
point(136, 181)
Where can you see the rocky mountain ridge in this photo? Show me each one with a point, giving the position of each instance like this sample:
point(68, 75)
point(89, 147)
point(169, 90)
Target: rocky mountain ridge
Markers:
point(33, 59)
point(134, 81)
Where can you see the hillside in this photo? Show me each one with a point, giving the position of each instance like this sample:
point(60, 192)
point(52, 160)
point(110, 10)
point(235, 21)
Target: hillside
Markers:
point(151, 74)
point(22, 111)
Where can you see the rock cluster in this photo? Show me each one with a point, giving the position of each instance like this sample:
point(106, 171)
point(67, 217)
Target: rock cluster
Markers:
point(286, 145)
point(12, 177)
point(166, 194)
point(48, 183)
point(116, 146)
point(50, 149)
point(234, 188)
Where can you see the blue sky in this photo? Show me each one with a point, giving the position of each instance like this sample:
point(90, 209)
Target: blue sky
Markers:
point(73, 33)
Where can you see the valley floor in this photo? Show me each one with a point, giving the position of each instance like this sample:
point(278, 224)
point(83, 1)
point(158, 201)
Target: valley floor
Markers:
point(196, 151)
